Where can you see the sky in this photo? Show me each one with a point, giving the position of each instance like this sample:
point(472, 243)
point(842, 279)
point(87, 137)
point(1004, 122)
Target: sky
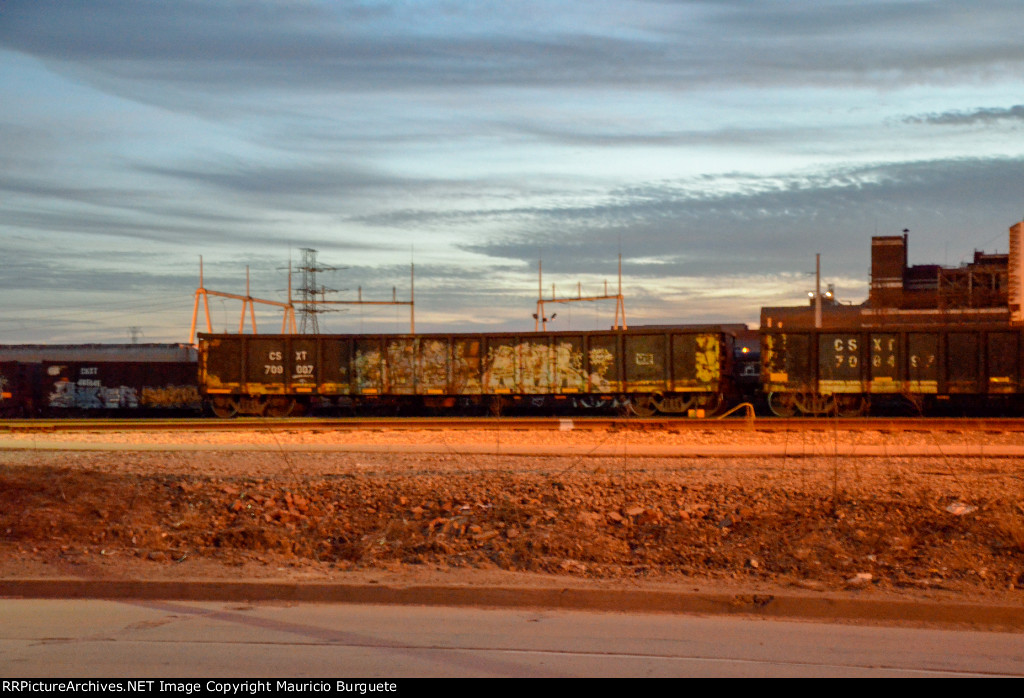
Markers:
point(717, 145)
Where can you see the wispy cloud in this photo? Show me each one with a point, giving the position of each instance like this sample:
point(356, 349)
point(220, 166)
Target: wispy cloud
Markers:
point(970, 118)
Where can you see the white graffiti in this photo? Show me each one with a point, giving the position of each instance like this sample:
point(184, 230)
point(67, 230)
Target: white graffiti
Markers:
point(90, 394)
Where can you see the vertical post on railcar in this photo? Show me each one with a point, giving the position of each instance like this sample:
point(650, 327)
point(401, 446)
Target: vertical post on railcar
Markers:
point(540, 296)
point(817, 291)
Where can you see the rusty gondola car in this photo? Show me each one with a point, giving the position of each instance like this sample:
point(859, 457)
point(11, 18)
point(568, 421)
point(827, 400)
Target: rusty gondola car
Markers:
point(820, 372)
point(647, 371)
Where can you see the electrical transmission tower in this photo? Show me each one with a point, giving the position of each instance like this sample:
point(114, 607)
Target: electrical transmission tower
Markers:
point(312, 296)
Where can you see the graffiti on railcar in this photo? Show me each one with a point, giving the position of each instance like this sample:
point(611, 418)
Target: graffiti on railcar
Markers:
point(500, 369)
point(569, 372)
point(533, 367)
point(601, 359)
point(707, 358)
point(466, 367)
point(433, 366)
point(369, 371)
point(91, 394)
point(171, 396)
point(535, 374)
point(400, 373)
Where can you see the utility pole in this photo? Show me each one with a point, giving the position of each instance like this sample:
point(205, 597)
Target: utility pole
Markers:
point(540, 320)
point(248, 303)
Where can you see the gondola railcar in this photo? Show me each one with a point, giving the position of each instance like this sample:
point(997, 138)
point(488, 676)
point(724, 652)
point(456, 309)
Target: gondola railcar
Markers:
point(649, 371)
point(823, 372)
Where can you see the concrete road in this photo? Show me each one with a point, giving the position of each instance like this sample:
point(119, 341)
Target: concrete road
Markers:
point(153, 639)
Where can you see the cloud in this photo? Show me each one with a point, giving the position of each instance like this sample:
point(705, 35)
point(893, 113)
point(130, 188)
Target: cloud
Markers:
point(131, 45)
point(773, 224)
point(970, 118)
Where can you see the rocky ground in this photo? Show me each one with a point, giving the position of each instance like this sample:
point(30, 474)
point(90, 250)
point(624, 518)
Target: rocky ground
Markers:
point(896, 525)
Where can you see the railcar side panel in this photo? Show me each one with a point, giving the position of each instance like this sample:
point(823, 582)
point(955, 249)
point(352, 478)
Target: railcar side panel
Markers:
point(840, 366)
point(536, 366)
point(696, 362)
point(922, 363)
point(962, 363)
point(467, 365)
point(886, 363)
point(432, 366)
point(10, 379)
point(1002, 361)
point(169, 385)
point(400, 365)
point(335, 357)
point(787, 362)
point(91, 385)
point(501, 366)
point(302, 364)
point(265, 365)
point(604, 369)
point(220, 364)
point(570, 365)
point(646, 361)
point(18, 393)
point(368, 367)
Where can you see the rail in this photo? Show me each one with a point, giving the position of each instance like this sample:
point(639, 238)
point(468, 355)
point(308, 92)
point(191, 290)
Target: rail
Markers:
point(766, 424)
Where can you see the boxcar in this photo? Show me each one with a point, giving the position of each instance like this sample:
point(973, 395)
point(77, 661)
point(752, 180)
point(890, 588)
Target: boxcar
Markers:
point(668, 371)
point(17, 393)
point(817, 372)
point(70, 379)
point(122, 385)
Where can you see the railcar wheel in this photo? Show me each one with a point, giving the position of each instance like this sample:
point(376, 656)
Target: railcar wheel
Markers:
point(851, 405)
point(643, 406)
point(711, 403)
point(816, 405)
point(280, 407)
point(675, 404)
point(782, 404)
point(224, 407)
point(252, 404)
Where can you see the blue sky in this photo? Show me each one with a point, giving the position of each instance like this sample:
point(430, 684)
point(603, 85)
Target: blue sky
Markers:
point(717, 144)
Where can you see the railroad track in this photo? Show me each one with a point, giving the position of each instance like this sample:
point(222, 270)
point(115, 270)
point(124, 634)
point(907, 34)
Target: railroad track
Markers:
point(674, 424)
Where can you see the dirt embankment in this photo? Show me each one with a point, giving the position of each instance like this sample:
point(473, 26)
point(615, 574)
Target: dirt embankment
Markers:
point(820, 523)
